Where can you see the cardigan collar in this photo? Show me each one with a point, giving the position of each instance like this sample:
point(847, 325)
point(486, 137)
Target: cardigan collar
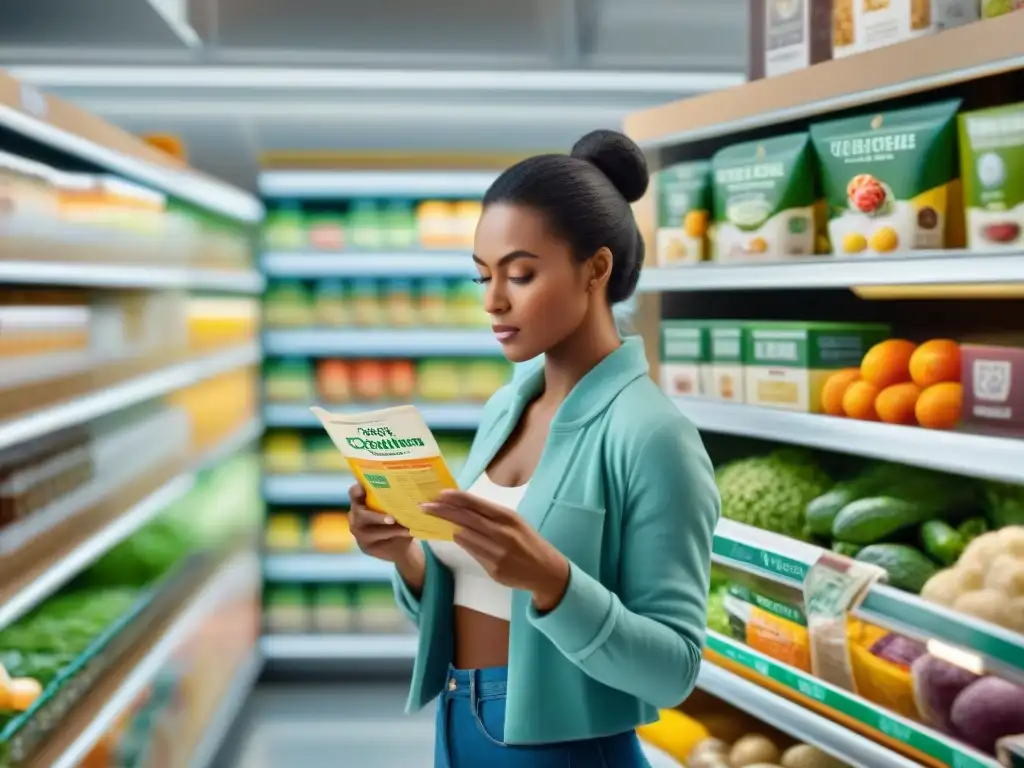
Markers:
point(593, 393)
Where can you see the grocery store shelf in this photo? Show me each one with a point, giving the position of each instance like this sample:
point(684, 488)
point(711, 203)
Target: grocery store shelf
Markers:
point(31, 118)
point(993, 458)
point(763, 553)
point(842, 743)
point(313, 567)
point(874, 720)
point(349, 264)
point(91, 548)
point(907, 614)
point(970, 52)
point(114, 398)
point(342, 184)
point(227, 712)
point(437, 416)
point(339, 647)
point(921, 268)
point(88, 275)
point(381, 343)
point(321, 490)
point(150, 665)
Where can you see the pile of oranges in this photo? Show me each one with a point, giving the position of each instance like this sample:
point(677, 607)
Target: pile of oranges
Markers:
point(899, 382)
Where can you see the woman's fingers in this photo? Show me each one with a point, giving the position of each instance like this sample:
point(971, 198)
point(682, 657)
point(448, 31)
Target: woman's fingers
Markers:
point(460, 516)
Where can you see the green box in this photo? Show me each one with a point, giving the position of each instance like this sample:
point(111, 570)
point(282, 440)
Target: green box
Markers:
point(685, 357)
point(725, 377)
point(684, 207)
point(786, 364)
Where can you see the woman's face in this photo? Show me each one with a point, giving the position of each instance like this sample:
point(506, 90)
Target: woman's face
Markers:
point(535, 292)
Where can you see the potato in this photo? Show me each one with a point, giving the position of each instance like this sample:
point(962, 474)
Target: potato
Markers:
point(751, 750)
point(807, 756)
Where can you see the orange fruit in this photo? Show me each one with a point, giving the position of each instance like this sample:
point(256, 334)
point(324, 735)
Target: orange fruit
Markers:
point(935, 361)
point(895, 404)
point(834, 389)
point(859, 401)
point(939, 405)
point(887, 363)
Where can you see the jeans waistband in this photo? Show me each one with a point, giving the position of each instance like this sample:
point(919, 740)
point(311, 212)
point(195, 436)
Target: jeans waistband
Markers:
point(488, 683)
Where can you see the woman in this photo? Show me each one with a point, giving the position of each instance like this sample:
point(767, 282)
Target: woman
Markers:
point(571, 605)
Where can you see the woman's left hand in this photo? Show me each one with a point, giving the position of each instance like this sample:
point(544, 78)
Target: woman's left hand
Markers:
point(511, 552)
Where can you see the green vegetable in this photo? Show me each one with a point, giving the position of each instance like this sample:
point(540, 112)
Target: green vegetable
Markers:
point(718, 617)
point(907, 567)
point(867, 521)
point(772, 492)
point(846, 549)
point(822, 511)
point(1004, 503)
point(972, 528)
point(941, 542)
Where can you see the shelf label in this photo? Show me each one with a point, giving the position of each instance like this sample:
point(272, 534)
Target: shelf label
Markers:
point(854, 707)
point(763, 560)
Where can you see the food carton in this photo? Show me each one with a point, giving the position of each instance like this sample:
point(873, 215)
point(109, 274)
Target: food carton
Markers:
point(684, 205)
point(993, 385)
point(864, 25)
point(786, 364)
point(685, 359)
point(725, 381)
point(788, 35)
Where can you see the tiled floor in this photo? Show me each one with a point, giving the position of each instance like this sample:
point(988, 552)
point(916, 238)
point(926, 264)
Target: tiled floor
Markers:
point(334, 726)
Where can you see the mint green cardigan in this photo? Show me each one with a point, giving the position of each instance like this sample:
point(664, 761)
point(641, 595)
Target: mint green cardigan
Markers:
point(625, 490)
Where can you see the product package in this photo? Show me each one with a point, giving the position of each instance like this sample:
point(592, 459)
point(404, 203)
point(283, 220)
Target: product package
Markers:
point(864, 25)
point(684, 205)
point(764, 193)
point(685, 369)
point(394, 456)
point(788, 35)
point(992, 169)
point(891, 179)
point(786, 365)
point(993, 388)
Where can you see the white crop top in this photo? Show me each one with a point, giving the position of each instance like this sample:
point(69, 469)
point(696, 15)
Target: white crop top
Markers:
point(473, 587)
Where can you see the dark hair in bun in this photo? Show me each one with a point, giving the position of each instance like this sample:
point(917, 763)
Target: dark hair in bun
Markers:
point(585, 196)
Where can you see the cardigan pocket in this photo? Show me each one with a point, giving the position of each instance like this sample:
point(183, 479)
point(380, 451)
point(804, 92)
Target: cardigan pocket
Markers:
point(577, 532)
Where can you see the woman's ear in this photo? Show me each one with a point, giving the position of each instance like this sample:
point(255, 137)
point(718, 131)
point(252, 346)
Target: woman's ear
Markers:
point(600, 265)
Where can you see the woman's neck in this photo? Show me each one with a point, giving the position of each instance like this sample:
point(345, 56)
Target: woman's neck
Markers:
point(571, 360)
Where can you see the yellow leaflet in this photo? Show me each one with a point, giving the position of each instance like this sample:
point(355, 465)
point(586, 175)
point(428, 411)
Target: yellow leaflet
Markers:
point(395, 458)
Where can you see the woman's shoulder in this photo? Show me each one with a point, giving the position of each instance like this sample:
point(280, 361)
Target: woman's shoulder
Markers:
point(642, 408)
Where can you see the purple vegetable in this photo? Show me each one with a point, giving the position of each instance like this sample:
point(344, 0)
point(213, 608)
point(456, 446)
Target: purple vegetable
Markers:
point(988, 710)
point(937, 683)
point(898, 649)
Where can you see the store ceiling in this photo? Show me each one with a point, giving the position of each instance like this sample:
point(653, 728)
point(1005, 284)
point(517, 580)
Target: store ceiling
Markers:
point(227, 129)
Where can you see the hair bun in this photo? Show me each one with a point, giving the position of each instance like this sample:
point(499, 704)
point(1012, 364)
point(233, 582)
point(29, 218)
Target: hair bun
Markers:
point(619, 158)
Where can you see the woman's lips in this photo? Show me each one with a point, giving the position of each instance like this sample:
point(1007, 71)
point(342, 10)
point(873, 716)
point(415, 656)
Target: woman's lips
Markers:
point(504, 333)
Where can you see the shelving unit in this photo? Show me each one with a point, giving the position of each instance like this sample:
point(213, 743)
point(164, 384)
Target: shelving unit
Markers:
point(849, 726)
point(324, 198)
point(140, 354)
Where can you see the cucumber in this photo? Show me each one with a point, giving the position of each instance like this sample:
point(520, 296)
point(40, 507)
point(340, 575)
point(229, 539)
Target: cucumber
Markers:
point(846, 549)
point(941, 542)
point(907, 567)
point(823, 510)
point(871, 520)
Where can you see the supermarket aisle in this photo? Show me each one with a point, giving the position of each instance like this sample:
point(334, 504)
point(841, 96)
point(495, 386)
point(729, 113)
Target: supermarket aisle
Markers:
point(326, 726)
point(359, 725)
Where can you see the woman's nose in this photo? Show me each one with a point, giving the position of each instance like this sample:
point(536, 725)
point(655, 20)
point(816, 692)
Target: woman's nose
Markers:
point(495, 298)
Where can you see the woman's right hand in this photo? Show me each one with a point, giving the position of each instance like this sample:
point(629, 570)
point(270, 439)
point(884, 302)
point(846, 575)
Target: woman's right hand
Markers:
point(377, 535)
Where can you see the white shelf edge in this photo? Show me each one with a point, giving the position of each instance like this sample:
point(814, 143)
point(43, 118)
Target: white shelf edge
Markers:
point(307, 488)
point(992, 458)
point(797, 721)
point(437, 415)
point(353, 567)
point(81, 409)
point(282, 184)
point(832, 104)
point(150, 666)
point(228, 710)
point(921, 268)
point(204, 192)
point(354, 263)
point(354, 647)
point(381, 342)
point(95, 546)
point(153, 276)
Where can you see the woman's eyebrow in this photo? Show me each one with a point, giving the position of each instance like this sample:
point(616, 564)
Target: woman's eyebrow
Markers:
point(508, 257)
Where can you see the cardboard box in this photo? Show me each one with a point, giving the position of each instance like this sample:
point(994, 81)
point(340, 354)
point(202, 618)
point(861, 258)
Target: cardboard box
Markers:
point(725, 379)
point(788, 35)
point(786, 365)
point(864, 25)
point(993, 386)
point(685, 358)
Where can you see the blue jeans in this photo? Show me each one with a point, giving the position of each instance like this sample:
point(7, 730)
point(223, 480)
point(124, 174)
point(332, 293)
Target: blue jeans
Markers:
point(471, 730)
